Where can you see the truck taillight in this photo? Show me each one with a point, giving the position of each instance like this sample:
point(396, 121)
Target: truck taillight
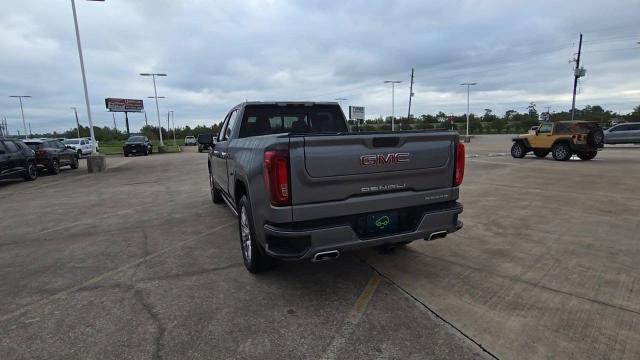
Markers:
point(459, 172)
point(276, 176)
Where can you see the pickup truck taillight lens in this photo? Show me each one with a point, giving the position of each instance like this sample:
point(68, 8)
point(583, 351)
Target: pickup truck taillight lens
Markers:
point(459, 172)
point(276, 176)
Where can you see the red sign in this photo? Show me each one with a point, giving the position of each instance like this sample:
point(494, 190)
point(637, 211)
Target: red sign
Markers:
point(121, 105)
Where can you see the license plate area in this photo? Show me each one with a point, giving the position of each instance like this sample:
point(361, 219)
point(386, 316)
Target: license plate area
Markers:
point(382, 223)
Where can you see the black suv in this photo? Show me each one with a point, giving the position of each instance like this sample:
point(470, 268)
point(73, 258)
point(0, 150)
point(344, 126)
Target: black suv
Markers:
point(205, 141)
point(52, 154)
point(137, 144)
point(16, 160)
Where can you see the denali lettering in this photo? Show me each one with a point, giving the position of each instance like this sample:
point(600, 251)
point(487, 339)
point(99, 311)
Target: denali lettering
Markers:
point(382, 159)
point(383, 187)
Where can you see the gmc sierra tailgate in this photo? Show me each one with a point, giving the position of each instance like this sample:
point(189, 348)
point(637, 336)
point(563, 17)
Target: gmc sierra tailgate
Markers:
point(334, 167)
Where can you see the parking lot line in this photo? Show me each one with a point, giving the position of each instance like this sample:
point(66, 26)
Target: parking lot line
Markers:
point(98, 278)
point(353, 317)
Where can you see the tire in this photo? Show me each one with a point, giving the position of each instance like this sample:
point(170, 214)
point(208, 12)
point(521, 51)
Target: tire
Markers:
point(595, 138)
point(31, 172)
point(75, 163)
point(146, 152)
point(79, 154)
point(541, 153)
point(54, 167)
point(587, 155)
point(199, 150)
point(216, 196)
point(126, 155)
point(518, 150)
point(561, 151)
point(255, 259)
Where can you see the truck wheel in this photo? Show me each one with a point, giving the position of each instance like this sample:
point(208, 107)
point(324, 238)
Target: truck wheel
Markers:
point(216, 196)
point(31, 172)
point(79, 154)
point(587, 155)
point(518, 150)
point(541, 153)
point(561, 151)
point(54, 167)
point(595, 138)
point(74, 163)
point(255, 260)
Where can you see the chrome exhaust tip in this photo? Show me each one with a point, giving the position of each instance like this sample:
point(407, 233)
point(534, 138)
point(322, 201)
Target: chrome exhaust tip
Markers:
point(437, 235)
point(326, 255)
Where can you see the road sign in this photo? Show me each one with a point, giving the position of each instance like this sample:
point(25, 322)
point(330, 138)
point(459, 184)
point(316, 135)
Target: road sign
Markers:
point(124, 105)
point(356, 112)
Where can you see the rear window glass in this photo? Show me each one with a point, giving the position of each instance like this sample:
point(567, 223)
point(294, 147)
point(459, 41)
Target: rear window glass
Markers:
point(34, 145)
point(273, 119)
point(72, 142)
point(11, 147)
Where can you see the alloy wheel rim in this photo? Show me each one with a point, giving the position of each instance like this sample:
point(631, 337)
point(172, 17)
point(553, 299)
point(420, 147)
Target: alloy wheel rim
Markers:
point(32, 170)
point(245, 234)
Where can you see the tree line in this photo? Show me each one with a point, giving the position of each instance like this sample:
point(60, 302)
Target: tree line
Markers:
point(511, 121)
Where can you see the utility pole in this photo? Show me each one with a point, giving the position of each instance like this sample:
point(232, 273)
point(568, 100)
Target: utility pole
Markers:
point(155, 92)
point(84, 77)
point(410, 95)
point(173, 123)
point(75, 110)
point(24, 124)
point(393, 101)
point(145, 118)
point(468, 85)
point(548, 113)
point(576, 75)
point(30, 133)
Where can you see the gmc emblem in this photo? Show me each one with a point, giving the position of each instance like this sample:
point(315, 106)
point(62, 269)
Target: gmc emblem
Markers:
point(384, 159)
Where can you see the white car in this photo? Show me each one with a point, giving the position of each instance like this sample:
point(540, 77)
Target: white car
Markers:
point(97, 143)
point(190, 141)
point(81, 146)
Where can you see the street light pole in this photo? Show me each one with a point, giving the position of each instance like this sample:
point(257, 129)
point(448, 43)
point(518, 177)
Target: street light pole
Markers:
point(84, 78)
point(75, 110)
point(173, 122)
point(24, 123)
point(468, 85)
point(155, 92)
point(393, 101)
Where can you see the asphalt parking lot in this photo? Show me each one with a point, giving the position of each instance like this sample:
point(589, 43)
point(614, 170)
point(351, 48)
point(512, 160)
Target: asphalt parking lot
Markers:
point(137, 263)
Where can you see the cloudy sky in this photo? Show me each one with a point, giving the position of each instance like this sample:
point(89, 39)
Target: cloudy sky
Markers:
point(219, 53)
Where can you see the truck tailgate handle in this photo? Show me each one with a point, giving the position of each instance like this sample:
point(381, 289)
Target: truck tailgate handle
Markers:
point(386, 141)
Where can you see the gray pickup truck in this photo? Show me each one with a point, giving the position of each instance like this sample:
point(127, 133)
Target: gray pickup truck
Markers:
point(304, 187)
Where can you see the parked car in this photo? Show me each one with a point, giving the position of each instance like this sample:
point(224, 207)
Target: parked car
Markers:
point(190, 141)
point(51, 154)
point(627, 133)
point(304, 187)
point(17, 160)
point(562, 139)
point(205, 141)
point(137, 144)
point(81, 146)
point(90, 141)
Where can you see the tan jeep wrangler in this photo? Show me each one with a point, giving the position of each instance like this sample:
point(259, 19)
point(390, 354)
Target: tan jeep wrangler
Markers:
point(562, 139)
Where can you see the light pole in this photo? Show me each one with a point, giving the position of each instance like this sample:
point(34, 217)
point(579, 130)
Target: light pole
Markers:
point(155, 92)
point(84, 78)
point(75, 110)
point(393, 101)
point(468, 85)
point(173, 122)
point(24, 124)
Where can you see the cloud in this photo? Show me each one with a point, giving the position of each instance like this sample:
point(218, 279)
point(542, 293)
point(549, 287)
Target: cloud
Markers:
point(217, 54)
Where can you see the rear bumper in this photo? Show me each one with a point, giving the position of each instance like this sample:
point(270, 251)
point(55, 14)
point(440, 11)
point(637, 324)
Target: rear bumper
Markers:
point(289, 242)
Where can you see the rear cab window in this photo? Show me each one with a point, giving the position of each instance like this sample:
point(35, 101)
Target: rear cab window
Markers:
point(11, 147)
point(274, 119)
